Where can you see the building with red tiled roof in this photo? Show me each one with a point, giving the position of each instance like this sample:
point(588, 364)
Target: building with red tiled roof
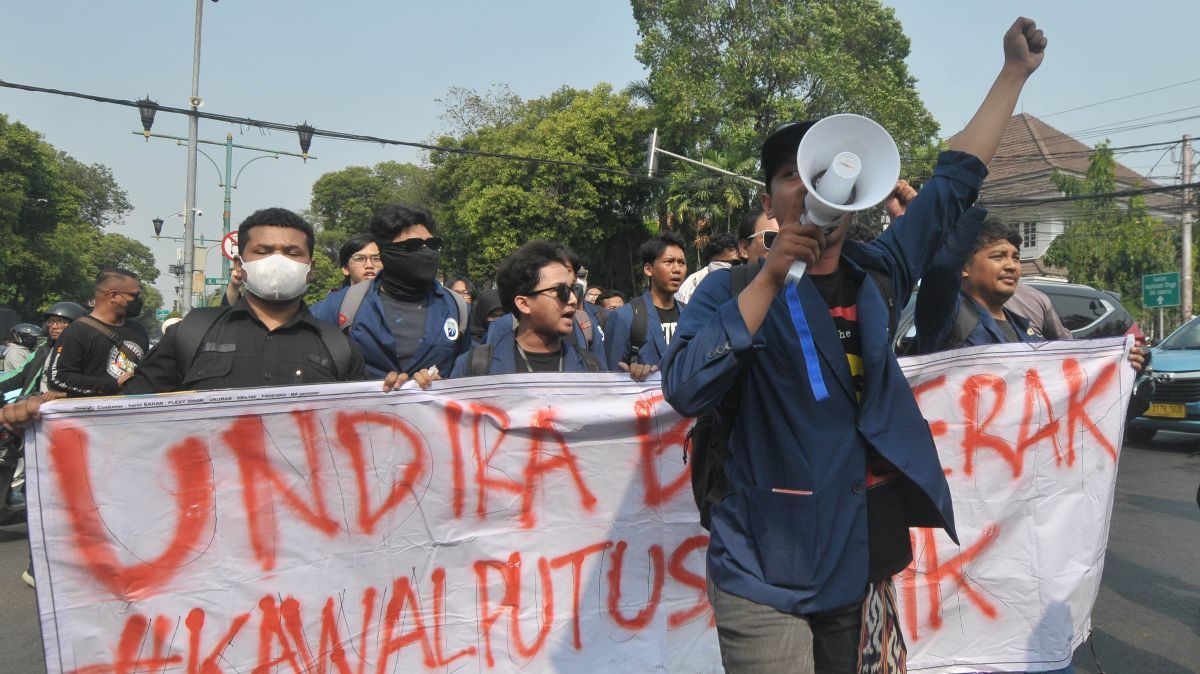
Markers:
point(1029, 154)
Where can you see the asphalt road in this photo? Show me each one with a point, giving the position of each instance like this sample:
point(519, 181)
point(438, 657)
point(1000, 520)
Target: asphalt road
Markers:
point(1146, 620)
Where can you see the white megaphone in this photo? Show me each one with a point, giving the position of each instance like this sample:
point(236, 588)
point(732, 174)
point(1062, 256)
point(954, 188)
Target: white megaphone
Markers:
point(848, 163)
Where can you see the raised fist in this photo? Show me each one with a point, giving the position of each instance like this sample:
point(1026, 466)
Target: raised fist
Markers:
point(1024, 46)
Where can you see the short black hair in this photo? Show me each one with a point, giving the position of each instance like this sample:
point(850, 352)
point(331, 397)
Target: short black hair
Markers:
point(393, 219)
point(274, 217)
point(470, 285)
point(746, 226)
point(609, 294)
point(109, 273)
point(653, 248)
point(717, 245)
point(780, 148)
point(569, 256)
point(993, 231)
point(352, 246)
point(518, 273)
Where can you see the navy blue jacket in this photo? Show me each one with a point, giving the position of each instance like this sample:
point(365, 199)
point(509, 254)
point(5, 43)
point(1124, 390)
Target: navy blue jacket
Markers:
point(941, 300)
point(618, 332)
point(504, 325)
point(443, 341)
point(504, 362)
point(806, 553)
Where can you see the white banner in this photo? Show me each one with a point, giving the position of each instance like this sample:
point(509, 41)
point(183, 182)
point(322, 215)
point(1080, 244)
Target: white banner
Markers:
point(526, 523)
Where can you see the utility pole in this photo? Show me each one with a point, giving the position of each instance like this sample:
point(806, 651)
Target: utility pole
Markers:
point(189, 209)
point(1186, 290)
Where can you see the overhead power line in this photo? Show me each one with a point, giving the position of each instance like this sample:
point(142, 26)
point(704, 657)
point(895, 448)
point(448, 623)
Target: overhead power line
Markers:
point(1084, 197)
point(1119, 98)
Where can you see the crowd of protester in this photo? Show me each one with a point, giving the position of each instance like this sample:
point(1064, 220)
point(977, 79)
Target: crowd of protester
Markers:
point(726, 338)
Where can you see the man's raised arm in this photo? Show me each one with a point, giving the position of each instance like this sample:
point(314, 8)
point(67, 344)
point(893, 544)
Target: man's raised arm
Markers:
point(1024, 47)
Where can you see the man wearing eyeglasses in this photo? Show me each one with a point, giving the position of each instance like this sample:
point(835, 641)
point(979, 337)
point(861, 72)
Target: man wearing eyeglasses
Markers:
point(536, 285)
point(407, 322)
point(96, 354)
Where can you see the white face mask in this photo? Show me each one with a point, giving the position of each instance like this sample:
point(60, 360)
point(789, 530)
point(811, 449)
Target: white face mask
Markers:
point(275, 277)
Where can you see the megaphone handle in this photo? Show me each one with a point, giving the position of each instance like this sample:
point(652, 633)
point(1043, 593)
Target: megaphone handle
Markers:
point(797, 271)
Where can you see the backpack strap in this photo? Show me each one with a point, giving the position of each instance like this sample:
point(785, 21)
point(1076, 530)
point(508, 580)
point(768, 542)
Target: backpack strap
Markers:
point(479, 360)
point(585, 328)
point(590, 361)
point(888, 290)
point(965, 322)
point(107, 332)
point(637, 329)
point(351, 301)
point(189, 334)
point(740, 277)
point(338, 345)
point(464, 312)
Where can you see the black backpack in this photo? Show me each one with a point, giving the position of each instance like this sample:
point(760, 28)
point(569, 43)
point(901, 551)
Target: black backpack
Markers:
point(637, 328)
point(708, 440)
point(191, 331)
point(480, 359)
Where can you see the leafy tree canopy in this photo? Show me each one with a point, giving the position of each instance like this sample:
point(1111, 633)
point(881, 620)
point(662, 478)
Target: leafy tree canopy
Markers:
point(1109, 244)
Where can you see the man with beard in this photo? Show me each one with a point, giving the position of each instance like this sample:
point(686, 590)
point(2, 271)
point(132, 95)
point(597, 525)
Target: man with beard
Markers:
point(535, 284)
point(403, 320)
point(637, 334)
point(97, 353)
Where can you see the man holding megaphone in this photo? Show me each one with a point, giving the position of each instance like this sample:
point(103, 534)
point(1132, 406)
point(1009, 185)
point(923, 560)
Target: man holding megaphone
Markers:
point(822, 459)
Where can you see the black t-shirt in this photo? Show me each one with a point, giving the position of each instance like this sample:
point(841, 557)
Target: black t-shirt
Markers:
point(668, 319)
point(887, 532)
point(86, 362)
point(532, 361)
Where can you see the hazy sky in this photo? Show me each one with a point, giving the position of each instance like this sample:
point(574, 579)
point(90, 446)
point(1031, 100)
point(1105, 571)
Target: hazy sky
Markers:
point(377, 67)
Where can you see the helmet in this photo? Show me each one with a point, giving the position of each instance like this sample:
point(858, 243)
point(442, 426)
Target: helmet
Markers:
point(67, 310)
point(26, 334)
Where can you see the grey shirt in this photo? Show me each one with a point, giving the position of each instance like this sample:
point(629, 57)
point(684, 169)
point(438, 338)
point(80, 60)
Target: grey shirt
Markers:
point(406, 320)
point(1035, 306)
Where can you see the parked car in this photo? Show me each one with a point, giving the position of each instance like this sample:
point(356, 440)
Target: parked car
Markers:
point(1176, 372)
point(1087, 312)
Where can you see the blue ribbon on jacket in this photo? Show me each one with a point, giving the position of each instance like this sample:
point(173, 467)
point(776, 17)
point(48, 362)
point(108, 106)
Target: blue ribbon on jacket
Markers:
point(807, 346)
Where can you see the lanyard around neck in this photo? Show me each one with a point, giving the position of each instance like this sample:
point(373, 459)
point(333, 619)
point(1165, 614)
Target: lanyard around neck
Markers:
point(525, 357)
point(807, 346)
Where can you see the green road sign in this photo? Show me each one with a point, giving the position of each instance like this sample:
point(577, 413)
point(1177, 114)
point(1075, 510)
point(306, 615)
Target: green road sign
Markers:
point(1160, 290)
point(210, 281)
point(161, 314)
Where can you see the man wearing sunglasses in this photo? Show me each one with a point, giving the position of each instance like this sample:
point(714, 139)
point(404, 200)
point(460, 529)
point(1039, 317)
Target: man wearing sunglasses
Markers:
point(755, 235)
point(536, 285)
point(827, 460)
point(405, 321)
point(96, 354)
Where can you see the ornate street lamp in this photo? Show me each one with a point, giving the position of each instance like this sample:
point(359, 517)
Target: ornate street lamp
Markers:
point(147, 108)
point(158, 223)
point(306, 134)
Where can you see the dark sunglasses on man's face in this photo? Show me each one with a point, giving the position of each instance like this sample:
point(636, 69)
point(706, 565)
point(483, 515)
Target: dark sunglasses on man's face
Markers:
point(413, 245)
point(562, 291)
point(768, 237)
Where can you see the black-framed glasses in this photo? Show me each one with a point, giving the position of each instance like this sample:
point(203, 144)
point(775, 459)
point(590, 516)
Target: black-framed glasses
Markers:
point(562, 291)
point(126, 292)
point(768, 237)
point(413, 245)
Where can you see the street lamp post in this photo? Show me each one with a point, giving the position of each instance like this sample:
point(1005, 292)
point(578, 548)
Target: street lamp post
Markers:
point(226, 182)
point(189, 216)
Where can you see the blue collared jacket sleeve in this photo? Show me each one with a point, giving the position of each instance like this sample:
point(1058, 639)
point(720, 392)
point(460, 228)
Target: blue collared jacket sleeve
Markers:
point(939, 298)
point(711, 344)
point(907, 248)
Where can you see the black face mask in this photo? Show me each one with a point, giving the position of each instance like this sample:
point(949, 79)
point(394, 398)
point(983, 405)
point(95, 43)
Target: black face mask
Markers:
point(408, 274)
point(135, 307)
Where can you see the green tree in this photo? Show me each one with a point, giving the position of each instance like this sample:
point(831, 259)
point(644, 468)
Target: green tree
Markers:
point(1109, 244)
point(489, 205)
point(343, 201)
point(53, 211)
point(725, 73)
point(118, 250)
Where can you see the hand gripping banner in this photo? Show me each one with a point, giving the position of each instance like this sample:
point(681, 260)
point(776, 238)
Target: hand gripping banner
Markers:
point(533, 523)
